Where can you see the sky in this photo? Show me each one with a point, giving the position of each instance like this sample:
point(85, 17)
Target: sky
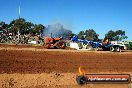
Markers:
point(76, 15)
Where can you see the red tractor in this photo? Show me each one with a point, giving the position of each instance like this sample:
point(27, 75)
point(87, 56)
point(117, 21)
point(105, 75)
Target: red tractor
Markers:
point(54, 43)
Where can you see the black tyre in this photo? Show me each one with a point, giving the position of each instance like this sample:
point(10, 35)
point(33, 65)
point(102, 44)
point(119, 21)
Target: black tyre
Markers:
point(112, 49)
point(115, 48)
point(60, 45)
point(118, 49)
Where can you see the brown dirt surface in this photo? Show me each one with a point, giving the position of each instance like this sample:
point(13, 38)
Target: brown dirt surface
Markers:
point(35, 67)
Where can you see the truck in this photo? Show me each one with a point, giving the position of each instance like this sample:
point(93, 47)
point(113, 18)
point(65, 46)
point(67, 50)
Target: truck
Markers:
point(106, 45)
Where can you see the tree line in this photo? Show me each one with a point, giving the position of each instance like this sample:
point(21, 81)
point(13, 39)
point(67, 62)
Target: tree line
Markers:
point(111, 35)
point(25, 27)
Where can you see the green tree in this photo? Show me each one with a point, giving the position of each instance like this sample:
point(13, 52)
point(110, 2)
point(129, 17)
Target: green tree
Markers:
point(28, 27)
point(115, 35)
point(110, 35)
point(38, 29)
point(25, 27)
point(81, 35)
point(89, 34)
point(3, 26)
point(18, 24)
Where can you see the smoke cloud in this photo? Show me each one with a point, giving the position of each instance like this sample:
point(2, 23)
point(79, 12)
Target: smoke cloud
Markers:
point(57, 30)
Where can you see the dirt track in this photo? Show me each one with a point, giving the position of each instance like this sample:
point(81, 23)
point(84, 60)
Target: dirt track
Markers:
point(23, 60)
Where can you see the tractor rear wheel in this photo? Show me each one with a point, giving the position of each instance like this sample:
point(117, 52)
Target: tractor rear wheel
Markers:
point(60, 45)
